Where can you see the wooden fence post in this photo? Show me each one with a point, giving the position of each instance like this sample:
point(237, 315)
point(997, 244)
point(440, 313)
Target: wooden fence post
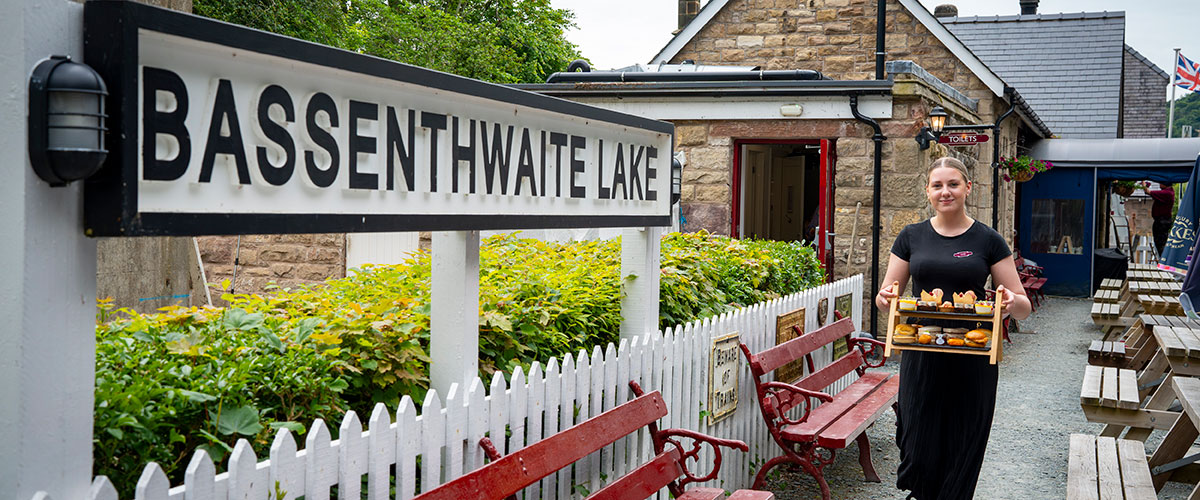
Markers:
point(47, 281)
point(454, 314)
point(640, 250)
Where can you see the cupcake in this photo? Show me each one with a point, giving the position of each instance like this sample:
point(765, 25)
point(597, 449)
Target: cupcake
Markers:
point(983, 307)
point(946, 307)
point(907, 304)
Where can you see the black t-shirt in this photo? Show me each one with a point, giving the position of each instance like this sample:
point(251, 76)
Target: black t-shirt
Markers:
point(956, 263)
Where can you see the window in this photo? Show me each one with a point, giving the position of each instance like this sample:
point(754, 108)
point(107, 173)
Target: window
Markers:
point(1057, 226)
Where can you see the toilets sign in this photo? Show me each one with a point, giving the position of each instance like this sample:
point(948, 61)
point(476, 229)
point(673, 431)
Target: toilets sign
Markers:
point(221, 129)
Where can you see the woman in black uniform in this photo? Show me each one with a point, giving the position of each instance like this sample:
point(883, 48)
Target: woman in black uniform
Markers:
point(946, 399)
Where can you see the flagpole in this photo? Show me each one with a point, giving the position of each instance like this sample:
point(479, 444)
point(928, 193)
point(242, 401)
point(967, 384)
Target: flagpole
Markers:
point(1171, 114)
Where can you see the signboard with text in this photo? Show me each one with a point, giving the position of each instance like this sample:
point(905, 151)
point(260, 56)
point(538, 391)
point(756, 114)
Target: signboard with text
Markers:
point(962, 139)
point(221, 129)
point(725, 362)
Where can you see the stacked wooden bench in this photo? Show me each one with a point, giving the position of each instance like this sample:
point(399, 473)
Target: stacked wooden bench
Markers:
point(811, 439)
point(1106, 311)
point(507, 475)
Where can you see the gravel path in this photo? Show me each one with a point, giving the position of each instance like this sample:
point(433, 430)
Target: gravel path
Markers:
point(1037, 409)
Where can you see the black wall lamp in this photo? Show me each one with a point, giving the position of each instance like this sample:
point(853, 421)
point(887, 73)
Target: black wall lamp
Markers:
point(66, 120)
point(937, 123)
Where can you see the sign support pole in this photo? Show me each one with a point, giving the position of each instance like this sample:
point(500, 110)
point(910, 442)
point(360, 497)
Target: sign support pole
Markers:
point(454, 313)
point(47, 282)
point(640, 276)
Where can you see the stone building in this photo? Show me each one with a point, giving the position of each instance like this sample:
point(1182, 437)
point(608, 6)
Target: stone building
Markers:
point(741, 138)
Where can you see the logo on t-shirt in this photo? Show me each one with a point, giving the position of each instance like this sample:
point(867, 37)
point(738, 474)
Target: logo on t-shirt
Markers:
point(964, 253)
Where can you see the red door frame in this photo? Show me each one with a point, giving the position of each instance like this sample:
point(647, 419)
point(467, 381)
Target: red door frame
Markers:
point(828, 156)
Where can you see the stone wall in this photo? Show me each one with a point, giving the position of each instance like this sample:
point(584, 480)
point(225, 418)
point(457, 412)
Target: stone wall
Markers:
point(1144, 99)
point(287, 260)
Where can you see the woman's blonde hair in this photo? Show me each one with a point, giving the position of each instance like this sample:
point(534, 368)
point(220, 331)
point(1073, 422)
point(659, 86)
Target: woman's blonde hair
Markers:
point(949, 162)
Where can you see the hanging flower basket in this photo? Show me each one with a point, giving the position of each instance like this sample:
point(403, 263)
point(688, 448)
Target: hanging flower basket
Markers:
point(1124, 188)
point(1022, 168)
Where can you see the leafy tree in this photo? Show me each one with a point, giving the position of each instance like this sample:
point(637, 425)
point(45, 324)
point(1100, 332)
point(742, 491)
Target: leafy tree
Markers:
point(1187, 112)
point(503, 41)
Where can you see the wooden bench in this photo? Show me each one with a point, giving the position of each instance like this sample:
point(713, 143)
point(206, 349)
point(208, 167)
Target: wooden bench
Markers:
point(839, 419)
point(1104, 467)
point(1112, 353)
point(507, 475)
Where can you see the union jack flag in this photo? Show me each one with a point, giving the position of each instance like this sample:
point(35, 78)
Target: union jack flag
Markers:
point(1187, 73)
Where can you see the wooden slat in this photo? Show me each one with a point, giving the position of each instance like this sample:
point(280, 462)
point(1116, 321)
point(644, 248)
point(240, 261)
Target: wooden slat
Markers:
point(1081, 469)
point(1118, 349)
point(796, 348)
point(855, 421)
point(821, 379)
point(1127, 390)
point(645, 480)
point(1168, 342)
point(1187, 336)
point(1108, 469)
point(1096, 348)
point(1135, 472)
point(1187, 389)
point(1090, 393)
point(1109, 396)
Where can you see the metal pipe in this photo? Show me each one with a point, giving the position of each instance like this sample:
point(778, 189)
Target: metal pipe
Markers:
point(880, 21)
point(685, 76)
point(876, 196)
point(1012, 106)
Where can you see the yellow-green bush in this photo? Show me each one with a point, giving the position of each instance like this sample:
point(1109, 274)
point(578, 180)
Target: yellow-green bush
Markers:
point(187, 377)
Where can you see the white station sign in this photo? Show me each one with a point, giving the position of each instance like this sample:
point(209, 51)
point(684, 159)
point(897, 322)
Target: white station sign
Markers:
point(220, 129)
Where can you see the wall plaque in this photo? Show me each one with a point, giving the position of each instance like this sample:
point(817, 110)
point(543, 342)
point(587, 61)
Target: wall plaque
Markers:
point(787, 327)
point(844, 305)
point(725, 362)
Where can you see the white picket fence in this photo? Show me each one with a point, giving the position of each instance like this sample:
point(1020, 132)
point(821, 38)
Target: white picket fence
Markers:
point(530, 406)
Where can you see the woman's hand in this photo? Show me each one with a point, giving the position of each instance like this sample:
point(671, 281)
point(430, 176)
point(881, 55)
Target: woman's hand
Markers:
point(884, 298)
point(1007, 297)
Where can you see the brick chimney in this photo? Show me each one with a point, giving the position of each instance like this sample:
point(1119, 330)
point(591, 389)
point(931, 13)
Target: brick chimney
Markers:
point(1029, 7)
point(945, 10)
point(687, 11)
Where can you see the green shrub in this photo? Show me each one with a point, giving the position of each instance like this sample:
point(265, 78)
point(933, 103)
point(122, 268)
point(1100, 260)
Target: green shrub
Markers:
point(185, 378)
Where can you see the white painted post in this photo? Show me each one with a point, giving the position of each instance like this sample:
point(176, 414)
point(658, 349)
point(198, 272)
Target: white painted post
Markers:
point(454, 313)
point(47, 281)
point(640, 249)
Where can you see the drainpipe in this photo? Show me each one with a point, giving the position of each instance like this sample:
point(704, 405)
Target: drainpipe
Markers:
point(875, 202)
point(880, 11)
point(1012, 105)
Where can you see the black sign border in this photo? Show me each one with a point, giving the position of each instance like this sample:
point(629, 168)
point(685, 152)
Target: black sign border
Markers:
point(110, 197)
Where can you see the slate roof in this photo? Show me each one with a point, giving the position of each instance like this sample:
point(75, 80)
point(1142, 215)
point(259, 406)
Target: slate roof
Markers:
point(1068, 66)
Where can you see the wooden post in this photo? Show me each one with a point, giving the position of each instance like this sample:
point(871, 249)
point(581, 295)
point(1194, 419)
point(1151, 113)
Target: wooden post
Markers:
point(454, 313)
point(640, 274)
point(47, 281)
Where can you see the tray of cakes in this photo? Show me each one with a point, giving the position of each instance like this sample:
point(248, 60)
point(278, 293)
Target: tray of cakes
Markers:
point(980, 324)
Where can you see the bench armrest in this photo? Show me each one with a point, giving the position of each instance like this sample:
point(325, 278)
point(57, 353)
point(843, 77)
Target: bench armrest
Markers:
point(692, 453)
point(774, 390)
point(868, 348)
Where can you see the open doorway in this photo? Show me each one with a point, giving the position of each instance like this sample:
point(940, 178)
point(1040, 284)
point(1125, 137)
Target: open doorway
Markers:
point(782, 192)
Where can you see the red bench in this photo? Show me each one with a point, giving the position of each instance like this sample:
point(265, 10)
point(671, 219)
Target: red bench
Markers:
point(839, 419)
point(507, 475)
point(1031, 279)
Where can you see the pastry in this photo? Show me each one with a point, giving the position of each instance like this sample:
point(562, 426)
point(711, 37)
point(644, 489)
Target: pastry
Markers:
point(946, 307)
point(934, 296)
point(903, 329)
point(964, 308)
point(926, 305)
point(907, 304)
point(983, 307)
point(957, 342)
point(967, 297)
point(924, 338)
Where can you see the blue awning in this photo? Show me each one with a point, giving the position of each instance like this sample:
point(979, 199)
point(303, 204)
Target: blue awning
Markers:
point(1167, 175)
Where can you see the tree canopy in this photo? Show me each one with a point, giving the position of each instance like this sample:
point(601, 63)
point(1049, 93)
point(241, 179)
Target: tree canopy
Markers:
point(1187, 112)
point(503, 41)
